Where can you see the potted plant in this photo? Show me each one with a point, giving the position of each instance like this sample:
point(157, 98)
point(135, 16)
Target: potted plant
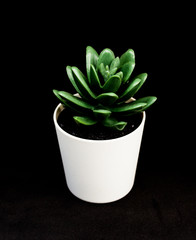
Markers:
point(100, 128)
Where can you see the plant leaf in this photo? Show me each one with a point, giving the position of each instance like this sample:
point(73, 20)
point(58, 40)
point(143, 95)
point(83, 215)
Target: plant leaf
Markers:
point(56, 93)
point(113, 71)
point(87, 121)
point(67, 103)
point(107, 98)
point(115, 63)
point(128, 56)
point(142, 77)
point(130, 90)
point(82, 85)
point(91, 59)
point(114, 123)
point(120, 125)
point(128, 107)
point(127, 64)
point(104, 72)
point(72, 80)
point(133, 87)
point(94, 79)
point(105, 57)
point(112, 84)
point(127, 69)
point(75, 100)
point(101, 114)
point(114, 66)
point(147, 100)
point(120, 74)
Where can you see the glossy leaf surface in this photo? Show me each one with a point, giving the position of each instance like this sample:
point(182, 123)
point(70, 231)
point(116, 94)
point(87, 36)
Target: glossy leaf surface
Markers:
point(128, 56)
point(147, 100)
point(120, 74)
point(88, 121)
point(128, 107)
point(101, 114)
point(94, 79)
point(127, 64)
point(115, 63)
point(106, 57)
point(68, 104)
point(104, 71)
point(56, 92)
point(75, 100)
point(112, 84)
point(133, 87)
point(127, 69)
point(107, 98)
point(114, 123)
point(72, 80)
point(91, 59)
point(82, 85)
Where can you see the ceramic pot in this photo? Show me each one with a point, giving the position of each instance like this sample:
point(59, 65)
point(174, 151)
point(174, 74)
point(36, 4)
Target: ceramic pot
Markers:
point(99, 171)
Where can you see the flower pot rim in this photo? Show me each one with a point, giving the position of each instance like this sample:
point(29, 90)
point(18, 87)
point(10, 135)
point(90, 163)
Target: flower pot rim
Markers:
point(60, 108)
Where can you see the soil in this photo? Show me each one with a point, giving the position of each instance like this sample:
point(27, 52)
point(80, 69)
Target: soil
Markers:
point(98, 131)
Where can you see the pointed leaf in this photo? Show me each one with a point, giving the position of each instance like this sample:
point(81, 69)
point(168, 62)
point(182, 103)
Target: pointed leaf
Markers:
point(87, 121)
point(56, 92)
point(75, 100)
point(130, 90)
point(67, 103)
point(128, 56)
point(112, 84)
point(120, 125)
point(91, 59)
point(113, 123)
point(107, 98)
point(115, 63)
point(94, 79)
point(101, 114)
point(127, 64)
point(120, 74)
point(128, 107)
point(142, 77)
point(82, 85)
point(106, 57)
point(72, 80)
point(127, 69)
point(133, 87)
point(113, 71)
point(147, 100)
point(104, 72)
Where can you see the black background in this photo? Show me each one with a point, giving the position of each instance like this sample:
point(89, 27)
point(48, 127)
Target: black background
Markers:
point(34, 200)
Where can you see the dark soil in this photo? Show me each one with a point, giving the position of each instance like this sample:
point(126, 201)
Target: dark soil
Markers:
point(98, 131)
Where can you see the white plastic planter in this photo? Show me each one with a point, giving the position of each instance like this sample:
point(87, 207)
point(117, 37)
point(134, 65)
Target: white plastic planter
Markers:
point(99, 171)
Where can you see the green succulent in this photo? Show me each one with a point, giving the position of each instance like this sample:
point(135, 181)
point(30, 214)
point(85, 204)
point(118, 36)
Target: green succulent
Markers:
point(103, 94)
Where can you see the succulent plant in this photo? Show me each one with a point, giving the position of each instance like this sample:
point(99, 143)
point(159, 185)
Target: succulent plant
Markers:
point(103, 95)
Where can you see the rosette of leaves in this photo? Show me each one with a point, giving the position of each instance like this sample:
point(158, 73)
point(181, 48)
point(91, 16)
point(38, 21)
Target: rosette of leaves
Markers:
point(104, 92)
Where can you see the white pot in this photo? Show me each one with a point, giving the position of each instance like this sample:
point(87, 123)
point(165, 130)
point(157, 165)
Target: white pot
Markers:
point(99, 171)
